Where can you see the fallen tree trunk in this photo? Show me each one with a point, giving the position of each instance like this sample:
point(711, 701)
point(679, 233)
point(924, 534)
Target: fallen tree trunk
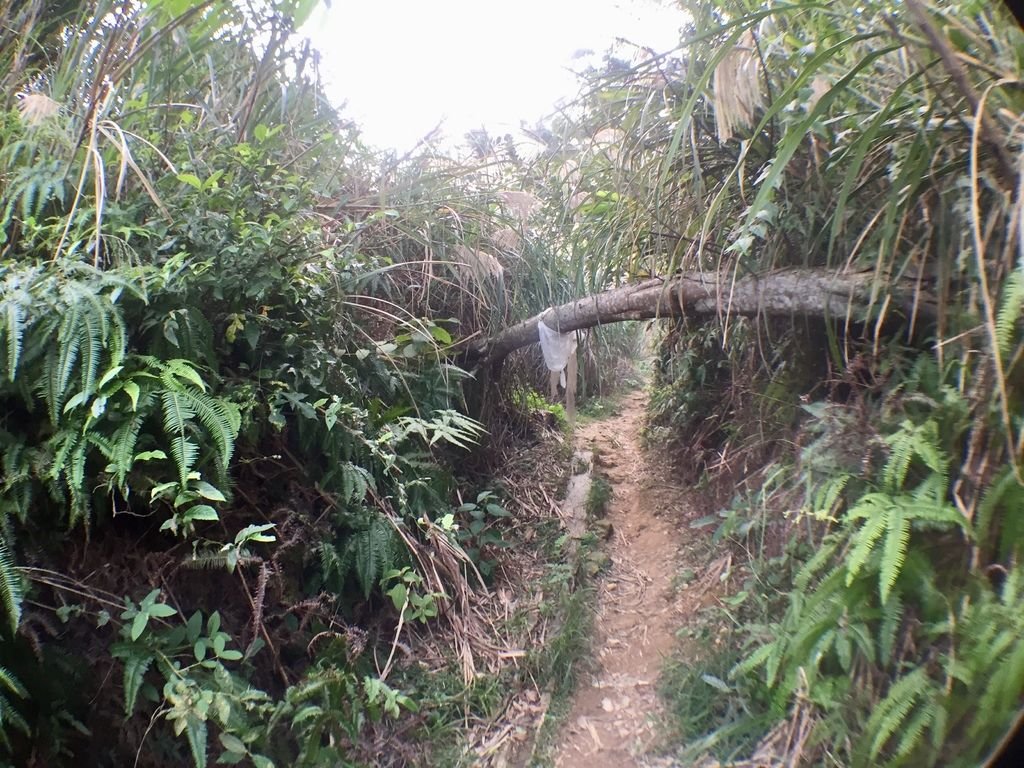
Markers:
point(815, 292)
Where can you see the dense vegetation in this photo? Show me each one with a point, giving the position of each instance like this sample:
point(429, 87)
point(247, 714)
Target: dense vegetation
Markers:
point(227, 422)
point(231, 400)
point(878, 455)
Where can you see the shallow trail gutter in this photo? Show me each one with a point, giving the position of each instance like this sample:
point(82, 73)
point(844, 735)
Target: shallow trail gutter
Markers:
point(810, 292)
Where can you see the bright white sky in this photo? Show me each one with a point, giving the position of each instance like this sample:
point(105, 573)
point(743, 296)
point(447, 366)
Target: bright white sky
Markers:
point(404, 65)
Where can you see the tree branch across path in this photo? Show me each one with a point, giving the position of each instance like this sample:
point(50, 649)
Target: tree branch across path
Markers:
point(809, 292)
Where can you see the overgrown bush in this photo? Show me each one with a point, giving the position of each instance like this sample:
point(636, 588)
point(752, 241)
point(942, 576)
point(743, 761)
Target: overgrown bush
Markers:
point(876, 138)
point(224, 446)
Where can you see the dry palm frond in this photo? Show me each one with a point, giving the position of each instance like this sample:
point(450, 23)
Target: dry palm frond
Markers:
point(477, 265)
point(519, 204)
point(607, 136)
point(737, 87)
point(37, 108)
point(506, 239)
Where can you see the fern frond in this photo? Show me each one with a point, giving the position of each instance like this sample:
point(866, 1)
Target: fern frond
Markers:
point(758, 658)
point(372, 551)
point(891, 713)
point(11, 683)
point(931, 512)
point(221, 420)
point(828, 495)
point(818, 561)
point(1010, 309)
point(123, 443)
point(894, 551)
point(69, 342)
point(14, 332)
point(9, 715)
point(184, 452)
point(11, 589)
point(184, 402)
point(875, 507)
point(74, 477)
point(63, 443)
point(901, 446)
point(913, 731)
point(861, 635)
point(206, 562)
point(355, 482)
point(912, 440)
point(1005, 492)
point(332, 564)
point(92, 340)
point(892, 618)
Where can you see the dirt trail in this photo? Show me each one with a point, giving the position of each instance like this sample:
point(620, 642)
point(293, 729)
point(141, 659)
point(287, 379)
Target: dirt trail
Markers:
point(616, 715)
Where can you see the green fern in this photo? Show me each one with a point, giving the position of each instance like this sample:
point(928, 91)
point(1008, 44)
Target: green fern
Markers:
point(1010, 308)
point(11, 589)
point(14, 332)
point(990, 630)
point(9, 716)
point(890, 519)
point(185, 400)
point(333, 565)
point(892, 618)
point(31, 188)
point(355, 482)
point(372, 551)
point(1005, 493)
point(911, 691)
point(910, 441)
point(122, 448)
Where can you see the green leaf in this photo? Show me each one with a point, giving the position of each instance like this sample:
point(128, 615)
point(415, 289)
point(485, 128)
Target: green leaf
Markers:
point(75, 401)
point(233, 743)
point(139, 625)
point(194, 626)
point(191, 179)
point(109, 375)
point(255, 533)
point(150, 456)
point(440, 334)
point(132, 390)
point(208, 491)
point(398, 594)
point(201, 512)
point(161, 610)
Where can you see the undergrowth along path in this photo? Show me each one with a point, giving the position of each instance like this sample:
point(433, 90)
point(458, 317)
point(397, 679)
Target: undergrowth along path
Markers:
point(616, 717)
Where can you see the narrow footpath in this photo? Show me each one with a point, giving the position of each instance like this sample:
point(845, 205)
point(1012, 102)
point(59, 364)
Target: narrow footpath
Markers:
point(616, 717)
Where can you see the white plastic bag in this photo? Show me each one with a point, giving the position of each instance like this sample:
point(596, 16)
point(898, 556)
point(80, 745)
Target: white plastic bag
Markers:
point(557, 348)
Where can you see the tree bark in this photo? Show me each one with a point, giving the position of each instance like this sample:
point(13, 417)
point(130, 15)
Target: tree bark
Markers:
point(812, 292)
